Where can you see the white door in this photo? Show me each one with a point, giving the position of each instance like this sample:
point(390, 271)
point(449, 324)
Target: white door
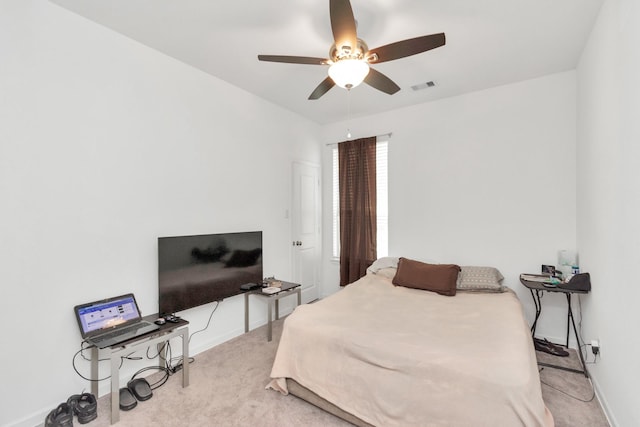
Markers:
point(305, 221)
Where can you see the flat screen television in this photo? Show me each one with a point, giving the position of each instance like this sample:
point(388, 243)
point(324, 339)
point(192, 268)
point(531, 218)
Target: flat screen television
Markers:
point(196, 270)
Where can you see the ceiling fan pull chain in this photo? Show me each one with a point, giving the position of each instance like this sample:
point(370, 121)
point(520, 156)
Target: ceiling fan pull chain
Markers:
point(348, 113)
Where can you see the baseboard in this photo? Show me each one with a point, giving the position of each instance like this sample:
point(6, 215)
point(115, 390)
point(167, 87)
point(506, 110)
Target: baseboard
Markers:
point(219, 339)
point(603, 402)
point(34, 420)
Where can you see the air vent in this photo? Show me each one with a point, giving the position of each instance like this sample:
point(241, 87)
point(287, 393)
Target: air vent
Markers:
point(423, 85)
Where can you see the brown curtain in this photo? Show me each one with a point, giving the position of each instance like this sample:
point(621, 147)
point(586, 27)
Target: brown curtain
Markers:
point(357, 171)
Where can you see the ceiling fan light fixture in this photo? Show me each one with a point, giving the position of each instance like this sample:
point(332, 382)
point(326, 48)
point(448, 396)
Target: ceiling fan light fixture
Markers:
point(349, 56)
point(348, 73)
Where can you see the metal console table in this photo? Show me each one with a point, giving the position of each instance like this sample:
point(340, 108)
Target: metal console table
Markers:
point(159, 338)
point(272, 299)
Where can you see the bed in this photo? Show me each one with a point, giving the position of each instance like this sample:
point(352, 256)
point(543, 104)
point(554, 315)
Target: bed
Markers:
point(385, 355)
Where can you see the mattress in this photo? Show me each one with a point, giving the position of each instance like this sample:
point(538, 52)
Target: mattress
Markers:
point(394, 356)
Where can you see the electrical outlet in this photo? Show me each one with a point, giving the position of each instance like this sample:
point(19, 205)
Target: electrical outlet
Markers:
point(595, 346)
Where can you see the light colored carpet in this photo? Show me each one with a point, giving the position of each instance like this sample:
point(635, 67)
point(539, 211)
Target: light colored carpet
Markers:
point(563, 393)
point(227, 388)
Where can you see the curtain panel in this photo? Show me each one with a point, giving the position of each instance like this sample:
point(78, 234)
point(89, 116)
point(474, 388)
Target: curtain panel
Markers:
point(357, 182)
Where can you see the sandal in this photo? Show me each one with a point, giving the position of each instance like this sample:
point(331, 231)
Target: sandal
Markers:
point(127, 401)
point(62, 416)
point(84, 406)
point(549, 347)
point(140, 388)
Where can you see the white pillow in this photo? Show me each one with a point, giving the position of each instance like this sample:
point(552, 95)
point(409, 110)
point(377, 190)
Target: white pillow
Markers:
point(389, 272)
point(485, 279)
point(384, 262)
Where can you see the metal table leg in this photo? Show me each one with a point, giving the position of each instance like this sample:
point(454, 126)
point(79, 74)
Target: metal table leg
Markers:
point(94, 370)
point(185, 357)
point(575, 331)
point(115, 387)
point(538, 305)
point(246, 312)
point(273, 302)
point(269, 315)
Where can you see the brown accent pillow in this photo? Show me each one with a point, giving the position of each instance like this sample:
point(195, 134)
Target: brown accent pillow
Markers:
point(439, 278)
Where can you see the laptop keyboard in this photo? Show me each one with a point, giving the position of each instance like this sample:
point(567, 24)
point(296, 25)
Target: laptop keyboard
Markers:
point(118, 333)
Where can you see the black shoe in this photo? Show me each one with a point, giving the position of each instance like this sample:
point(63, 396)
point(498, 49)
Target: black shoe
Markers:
point(62, 416)
point(84, 406)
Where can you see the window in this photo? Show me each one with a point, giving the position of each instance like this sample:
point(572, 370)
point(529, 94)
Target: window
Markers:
point(382, 204)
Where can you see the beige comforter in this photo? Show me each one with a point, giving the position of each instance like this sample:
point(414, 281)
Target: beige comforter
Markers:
point(394, 356)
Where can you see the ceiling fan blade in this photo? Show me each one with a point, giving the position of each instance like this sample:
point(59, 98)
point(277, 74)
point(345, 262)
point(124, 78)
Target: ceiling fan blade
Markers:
point(405, 48)
point(294, 59)
point(343, 24)
point(322, 88)
point(381, 82)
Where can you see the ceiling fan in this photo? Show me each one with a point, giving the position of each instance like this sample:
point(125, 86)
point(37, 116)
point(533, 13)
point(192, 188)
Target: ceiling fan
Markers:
point(350, 57)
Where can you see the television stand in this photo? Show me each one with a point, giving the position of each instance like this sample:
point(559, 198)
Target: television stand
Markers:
point(286, 289)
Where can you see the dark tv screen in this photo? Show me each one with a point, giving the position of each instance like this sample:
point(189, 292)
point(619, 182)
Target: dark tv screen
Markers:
point(196, 270)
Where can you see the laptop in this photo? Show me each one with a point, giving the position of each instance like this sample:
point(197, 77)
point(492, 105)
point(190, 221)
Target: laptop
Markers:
point(111, 321)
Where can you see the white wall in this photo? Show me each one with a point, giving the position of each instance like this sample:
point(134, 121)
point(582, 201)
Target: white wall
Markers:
point(486, 178)
point(609, 202)
point(106, 145)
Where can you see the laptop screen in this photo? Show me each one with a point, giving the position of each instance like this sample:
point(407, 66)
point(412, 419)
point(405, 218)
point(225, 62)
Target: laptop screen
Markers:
point(106, 314)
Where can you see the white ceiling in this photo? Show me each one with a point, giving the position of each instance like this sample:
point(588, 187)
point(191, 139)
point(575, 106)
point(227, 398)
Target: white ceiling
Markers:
point(489, 43)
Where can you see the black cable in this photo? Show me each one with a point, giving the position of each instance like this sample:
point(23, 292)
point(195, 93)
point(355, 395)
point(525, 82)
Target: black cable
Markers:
point(208, 322)
point(82, 348)
point(80, 352)
point(160, 350)
point(166, 368)
point(179, 366)
point(180, 360)
point(580, 330)
point(158, 383)
point(169, 369)
point(173, 368)
point(73, 363)
point(586, 359)
point(585, 353)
